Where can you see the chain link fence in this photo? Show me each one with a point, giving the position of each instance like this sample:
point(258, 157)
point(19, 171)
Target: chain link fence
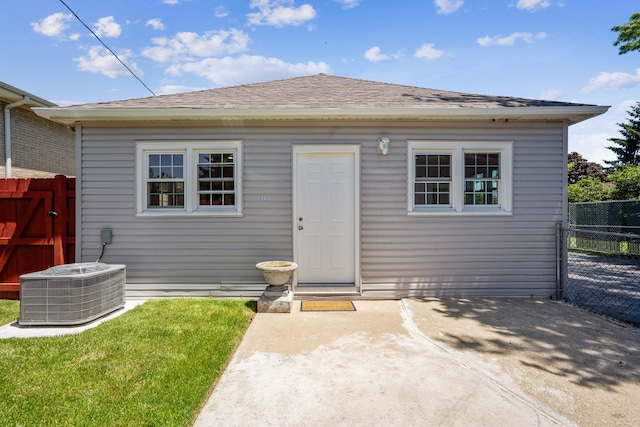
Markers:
point(603, 272)
point(619, 216)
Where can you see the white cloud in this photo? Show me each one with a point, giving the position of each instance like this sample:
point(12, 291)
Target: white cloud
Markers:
point(171, 89)
point(53, 25)
point(67, 102)
point(374, 55)
point(622, 109)
point(278, 13)
point(221, 12)
point(107, 27)
point(510, 40)
point(171, 1)
point(592, 145)
point(186, 45)
point(74, 36)
point(348, 4)
point(101, 61)
point(616, 80)
point(231, 71)
point(428, 51)
point(591, 137)
point(533, 5)
point(155, 23)
point(445, 7)
point(551, 94)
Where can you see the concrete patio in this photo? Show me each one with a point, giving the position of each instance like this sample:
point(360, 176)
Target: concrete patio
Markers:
point(436, 362)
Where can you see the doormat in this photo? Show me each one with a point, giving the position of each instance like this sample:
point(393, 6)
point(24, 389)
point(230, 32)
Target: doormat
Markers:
point(327, 306)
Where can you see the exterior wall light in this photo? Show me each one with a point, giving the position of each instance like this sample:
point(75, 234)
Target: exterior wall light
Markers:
point(383, 145)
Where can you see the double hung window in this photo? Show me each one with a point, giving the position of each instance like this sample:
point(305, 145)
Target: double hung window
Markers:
point(459, 178)
point(195, 178)
point(165, 183)
point(432, 179)
point(481, 178)
point(216, 179)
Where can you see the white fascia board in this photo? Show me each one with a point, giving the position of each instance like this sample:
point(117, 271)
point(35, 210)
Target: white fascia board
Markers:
point(12, 94)
point(70, 116)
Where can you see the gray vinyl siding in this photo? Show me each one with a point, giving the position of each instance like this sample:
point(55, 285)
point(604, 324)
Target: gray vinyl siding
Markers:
point(400, 255)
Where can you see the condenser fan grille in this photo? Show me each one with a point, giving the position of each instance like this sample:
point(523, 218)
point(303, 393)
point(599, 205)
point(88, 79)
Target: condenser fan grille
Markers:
point(71, 294)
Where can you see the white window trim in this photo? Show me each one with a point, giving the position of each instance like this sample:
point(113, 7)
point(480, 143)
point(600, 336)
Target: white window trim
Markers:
point(457, 150)
point(190, 149)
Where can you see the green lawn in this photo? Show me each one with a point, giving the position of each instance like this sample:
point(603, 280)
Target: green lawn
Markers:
point(9, 311)
point(152, 366)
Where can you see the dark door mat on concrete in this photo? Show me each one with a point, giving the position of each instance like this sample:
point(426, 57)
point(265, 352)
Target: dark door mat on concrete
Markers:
point(327, 306)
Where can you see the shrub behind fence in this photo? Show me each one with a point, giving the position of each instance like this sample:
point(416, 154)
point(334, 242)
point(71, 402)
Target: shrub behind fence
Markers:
point(618, 216)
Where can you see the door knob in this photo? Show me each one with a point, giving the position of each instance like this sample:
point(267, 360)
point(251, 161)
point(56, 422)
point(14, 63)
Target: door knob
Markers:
point(300, 227)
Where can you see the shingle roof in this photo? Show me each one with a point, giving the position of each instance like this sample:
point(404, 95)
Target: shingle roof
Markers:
point(323, 92)
point(322, 97)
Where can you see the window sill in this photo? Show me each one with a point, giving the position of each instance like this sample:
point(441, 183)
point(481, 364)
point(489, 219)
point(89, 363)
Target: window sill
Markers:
point(452, 213)
point(195, 214)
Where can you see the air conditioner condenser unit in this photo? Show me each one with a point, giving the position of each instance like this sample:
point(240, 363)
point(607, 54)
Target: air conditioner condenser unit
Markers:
point(71, 294)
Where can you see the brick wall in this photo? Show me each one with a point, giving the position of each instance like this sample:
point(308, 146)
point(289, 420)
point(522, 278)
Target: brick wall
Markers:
point(38, 143)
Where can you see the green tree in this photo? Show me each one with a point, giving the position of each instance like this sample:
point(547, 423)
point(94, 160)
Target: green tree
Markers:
point(627, 148)
point(580, 168)
point(627, 183)
point(628, 35)
point(589, 189)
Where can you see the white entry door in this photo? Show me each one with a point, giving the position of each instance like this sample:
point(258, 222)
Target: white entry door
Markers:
point(325, 215)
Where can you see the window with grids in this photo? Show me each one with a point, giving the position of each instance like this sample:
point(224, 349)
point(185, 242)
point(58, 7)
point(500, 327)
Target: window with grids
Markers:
point(165, 182)
point(481, 178)
point(432, 184)
point(459, 177)
point(216, 179)
point(189, 178)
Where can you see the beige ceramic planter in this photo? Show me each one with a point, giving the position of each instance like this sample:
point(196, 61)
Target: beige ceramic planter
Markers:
point(277, 273)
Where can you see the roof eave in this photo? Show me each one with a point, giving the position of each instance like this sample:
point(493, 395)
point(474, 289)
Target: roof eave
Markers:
point(70, 116)
point(11, 94)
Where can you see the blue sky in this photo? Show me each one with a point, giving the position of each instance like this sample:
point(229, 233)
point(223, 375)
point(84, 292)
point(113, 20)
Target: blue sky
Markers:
point(550, 49)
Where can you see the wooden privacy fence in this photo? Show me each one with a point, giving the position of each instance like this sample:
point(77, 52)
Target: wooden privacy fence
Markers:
point(37, 227)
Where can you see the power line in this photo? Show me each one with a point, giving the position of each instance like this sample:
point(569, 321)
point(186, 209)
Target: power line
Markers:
point(108, 48)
